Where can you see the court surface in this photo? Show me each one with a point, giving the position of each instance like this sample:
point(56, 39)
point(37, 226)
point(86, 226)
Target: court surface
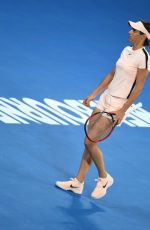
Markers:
point(52, 55)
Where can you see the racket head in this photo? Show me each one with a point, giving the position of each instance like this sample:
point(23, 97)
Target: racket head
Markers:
point(99, 126)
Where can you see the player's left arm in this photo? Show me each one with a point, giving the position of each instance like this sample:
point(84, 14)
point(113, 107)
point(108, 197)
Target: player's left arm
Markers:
point(141, 77)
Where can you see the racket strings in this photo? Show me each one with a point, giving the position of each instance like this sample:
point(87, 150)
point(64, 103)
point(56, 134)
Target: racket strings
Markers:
point(99, 127)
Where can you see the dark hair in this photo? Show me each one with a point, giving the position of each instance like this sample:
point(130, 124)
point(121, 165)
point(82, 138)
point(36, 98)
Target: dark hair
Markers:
point(147, 27)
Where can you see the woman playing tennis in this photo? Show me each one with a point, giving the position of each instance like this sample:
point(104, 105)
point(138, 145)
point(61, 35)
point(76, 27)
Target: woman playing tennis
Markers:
point(121, 88)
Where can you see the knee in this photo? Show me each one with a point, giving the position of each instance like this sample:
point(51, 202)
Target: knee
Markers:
point(89, 145)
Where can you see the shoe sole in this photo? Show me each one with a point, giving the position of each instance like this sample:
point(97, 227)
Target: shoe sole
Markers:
point(57, 185)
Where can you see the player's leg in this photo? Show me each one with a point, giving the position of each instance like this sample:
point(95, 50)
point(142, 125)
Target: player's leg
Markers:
point(97, 157)
point(84, 165)
point(104, 179)
point(86, 161)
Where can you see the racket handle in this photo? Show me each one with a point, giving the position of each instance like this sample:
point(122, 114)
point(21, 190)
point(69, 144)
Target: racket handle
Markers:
point(133, 107)
point(130, 109)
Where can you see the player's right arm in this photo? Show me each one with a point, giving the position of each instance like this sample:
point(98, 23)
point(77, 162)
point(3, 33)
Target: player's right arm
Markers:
point(102, 86)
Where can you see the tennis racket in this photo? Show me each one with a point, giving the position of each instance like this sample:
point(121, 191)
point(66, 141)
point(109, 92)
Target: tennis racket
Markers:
point(99, 126)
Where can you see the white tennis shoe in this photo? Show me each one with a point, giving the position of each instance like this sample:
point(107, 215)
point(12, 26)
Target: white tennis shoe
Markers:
point(101, 187)
point(71, 185)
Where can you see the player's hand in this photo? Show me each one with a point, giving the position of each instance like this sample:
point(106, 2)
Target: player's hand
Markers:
point(87, 101)
point(119, 116)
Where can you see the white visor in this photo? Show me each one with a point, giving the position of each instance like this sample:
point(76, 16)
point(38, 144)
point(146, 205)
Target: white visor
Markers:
point(139, 26)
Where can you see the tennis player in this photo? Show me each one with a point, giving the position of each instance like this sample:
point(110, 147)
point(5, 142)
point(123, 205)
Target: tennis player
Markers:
point(122, 87)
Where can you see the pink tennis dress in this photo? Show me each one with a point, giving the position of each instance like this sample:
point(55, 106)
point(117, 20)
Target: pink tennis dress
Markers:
point(123, 82)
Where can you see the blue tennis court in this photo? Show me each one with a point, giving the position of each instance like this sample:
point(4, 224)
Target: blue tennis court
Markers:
point(52, 55)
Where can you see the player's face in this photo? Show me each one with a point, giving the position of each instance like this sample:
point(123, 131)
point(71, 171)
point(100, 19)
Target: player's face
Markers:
point(135, 36)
